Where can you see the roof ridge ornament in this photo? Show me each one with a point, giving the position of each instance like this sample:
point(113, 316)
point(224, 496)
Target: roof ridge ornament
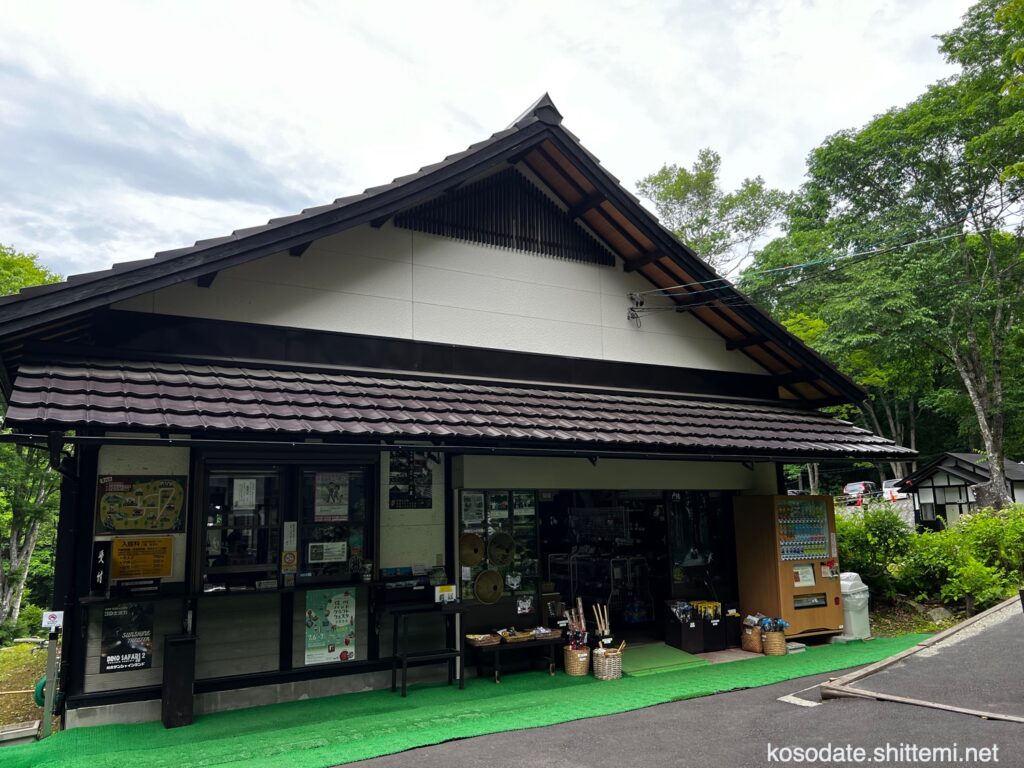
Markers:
point(543, 109)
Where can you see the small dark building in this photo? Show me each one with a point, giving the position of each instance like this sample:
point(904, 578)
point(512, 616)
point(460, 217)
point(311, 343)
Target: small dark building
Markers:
point(944, 489)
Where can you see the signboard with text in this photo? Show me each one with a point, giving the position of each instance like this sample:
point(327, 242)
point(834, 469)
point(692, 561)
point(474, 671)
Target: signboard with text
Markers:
point(141, 557)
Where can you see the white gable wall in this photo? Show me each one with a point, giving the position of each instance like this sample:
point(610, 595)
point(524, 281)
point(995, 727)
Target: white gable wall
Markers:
point(402, 284)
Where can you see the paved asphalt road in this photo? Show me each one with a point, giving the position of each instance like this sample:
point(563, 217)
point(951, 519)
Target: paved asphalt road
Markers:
point(979, 667)
point(730, 730)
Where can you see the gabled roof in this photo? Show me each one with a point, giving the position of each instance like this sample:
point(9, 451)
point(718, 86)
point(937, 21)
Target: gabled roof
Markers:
point(972, 468)
point(536, 141)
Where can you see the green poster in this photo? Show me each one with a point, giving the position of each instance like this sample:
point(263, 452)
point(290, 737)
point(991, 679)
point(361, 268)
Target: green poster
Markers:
point(330, 625)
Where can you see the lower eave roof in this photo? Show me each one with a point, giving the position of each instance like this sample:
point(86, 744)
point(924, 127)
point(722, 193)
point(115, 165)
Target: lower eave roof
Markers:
point(216, 397)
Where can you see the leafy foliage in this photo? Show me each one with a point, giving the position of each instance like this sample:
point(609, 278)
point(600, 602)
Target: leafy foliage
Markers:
point(870, 543)
point(28, 487)
point(911, 230)
point(720, 226)
point(980, 560)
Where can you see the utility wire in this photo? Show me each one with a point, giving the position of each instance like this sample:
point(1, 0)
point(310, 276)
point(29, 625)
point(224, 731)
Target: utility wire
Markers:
point(792, 267)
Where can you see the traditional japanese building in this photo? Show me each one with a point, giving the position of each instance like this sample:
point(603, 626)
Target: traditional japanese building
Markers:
point(499, 372)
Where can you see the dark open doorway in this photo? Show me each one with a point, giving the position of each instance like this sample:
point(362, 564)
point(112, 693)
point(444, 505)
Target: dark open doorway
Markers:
point(634, 550)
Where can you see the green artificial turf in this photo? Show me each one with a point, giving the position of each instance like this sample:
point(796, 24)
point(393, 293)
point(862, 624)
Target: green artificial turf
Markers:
point(656, 658)
point(341, 729)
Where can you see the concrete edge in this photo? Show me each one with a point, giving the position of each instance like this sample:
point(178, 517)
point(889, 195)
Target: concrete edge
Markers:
point(840, 692)
point(928, 642)
point(842, 687)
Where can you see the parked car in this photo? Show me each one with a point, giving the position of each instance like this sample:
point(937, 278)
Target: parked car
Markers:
point(860, 492)
point(890, 492)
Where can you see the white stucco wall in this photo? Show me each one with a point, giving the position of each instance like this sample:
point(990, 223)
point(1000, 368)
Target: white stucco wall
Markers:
point(398, 283)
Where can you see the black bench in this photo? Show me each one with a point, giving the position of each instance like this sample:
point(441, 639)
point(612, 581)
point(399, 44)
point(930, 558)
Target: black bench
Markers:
point(403, 657)
point(549, 644)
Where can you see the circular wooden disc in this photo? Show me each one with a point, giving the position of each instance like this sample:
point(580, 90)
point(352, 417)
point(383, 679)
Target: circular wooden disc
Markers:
point(471, 549)
point(488, 587)
point(500, 549)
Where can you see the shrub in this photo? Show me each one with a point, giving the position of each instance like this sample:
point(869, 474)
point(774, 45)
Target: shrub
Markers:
point(977, 584)
point(872, 542)
point(929, 564)
point(996, 538)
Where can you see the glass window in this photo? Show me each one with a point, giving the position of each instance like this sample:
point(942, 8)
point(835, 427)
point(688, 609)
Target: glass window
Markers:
point(243, 529)
point(333, 525)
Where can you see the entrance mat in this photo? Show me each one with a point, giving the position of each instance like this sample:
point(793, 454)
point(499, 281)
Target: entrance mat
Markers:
point(341, 729)
point(655, 658)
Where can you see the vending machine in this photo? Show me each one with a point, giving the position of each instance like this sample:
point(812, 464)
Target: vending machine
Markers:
point(787, 562)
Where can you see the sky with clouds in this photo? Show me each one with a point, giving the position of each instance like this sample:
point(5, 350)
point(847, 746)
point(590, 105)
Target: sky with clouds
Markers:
point(128, 128)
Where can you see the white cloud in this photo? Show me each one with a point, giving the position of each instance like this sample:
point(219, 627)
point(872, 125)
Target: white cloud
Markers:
point(308, 102)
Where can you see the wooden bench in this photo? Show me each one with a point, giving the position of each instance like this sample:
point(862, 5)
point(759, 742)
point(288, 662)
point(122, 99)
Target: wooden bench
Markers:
point(549, 644)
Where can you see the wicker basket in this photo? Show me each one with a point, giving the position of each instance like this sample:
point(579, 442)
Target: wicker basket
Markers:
point(478, 641)
point(774, 643)
point(608, 666)
point(750, 640)
point(577, 662)
point(514, 636)
point(551, 634)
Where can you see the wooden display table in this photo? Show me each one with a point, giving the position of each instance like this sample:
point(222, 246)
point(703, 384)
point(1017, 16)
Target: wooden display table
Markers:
point(549, 644)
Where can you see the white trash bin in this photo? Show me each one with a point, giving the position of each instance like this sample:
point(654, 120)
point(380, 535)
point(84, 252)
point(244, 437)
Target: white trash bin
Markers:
point(856, 624)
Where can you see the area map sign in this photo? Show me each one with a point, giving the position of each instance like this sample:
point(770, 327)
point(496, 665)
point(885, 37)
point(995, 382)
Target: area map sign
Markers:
point(140, 504)
point(330, 626)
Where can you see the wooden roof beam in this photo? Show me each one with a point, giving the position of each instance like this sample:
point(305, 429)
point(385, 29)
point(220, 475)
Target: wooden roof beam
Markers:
point(632, 265)
point(584, 205)
point(298, 250)
point(796, 377)
point(205, 281)
point(748, 341)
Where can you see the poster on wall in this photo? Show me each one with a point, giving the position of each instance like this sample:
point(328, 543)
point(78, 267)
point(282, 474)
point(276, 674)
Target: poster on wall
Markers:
point(140, 504)
point(472, 507)
point(328, 552)
point(410, 481)
point(497, 505)
point(331, 503)
point(127, 637)
point(243, 494)
point(523, 504)
point(141, 557)
point(330, 626)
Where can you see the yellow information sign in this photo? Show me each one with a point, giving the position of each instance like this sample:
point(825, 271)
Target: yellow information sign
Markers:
point(141, 557)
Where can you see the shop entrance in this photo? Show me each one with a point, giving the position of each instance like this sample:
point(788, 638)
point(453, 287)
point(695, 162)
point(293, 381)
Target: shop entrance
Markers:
point(634, 550)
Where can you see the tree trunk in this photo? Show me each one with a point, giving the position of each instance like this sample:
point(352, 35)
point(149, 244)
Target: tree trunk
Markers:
point(988, 412)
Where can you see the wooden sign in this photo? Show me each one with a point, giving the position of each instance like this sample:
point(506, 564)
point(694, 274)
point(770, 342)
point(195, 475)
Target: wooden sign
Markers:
point(141, 557)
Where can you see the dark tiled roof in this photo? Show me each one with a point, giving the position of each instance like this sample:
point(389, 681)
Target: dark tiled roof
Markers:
point(1014, 470)
point(220, 397)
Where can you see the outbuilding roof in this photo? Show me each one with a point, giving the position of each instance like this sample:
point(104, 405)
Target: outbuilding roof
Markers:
point(972, 468)
point(219, 397)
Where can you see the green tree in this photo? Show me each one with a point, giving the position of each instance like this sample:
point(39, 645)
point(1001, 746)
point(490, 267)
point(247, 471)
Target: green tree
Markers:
point(722, 227)
point(917, 231)
point(28, 487)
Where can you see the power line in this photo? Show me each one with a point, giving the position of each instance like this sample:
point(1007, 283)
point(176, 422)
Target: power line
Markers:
point(792, 267)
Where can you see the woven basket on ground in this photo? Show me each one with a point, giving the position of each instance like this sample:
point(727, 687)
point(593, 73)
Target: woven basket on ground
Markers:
point(774, 643)
point(608, 666)
point(577, 662)
point(750, 640)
